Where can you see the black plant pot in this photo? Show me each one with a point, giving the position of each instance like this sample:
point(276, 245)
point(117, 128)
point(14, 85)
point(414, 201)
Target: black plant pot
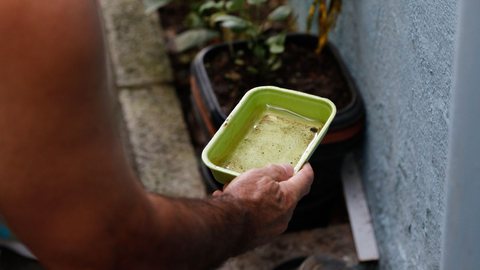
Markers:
point(345, 132)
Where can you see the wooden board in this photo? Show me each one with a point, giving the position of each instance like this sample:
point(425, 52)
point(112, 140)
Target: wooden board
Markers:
point(360, 219)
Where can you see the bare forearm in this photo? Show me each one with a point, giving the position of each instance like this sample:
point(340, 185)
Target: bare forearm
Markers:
point(65, 186)
point(252, 209)
point(199, 234)
point(157, 233)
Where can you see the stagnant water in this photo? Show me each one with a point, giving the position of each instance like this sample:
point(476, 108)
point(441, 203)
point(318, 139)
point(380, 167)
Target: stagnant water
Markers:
point(275, 136)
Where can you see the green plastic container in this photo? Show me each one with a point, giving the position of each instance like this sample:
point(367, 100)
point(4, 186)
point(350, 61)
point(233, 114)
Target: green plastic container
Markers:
point(269, 125)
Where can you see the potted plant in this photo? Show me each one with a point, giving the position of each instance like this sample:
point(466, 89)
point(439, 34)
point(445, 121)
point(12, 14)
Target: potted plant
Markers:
point(219, 78)
point(258, 51)
point(222, 73)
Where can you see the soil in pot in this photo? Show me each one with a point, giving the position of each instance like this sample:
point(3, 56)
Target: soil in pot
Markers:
point(302, 70)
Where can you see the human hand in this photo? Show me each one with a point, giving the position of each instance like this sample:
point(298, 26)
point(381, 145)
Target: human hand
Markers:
point(270, 195)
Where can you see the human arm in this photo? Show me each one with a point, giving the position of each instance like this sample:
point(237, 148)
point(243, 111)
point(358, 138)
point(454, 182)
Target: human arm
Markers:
point(66, 188)
point(252, 209)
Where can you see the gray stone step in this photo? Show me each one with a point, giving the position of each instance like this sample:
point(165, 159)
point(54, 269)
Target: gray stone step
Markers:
point(160, 148)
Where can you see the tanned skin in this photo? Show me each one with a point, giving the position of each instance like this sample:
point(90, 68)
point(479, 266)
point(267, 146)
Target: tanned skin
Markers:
point(66, 187)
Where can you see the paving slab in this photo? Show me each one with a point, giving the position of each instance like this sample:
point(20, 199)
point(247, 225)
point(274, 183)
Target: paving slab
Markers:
point(334, 241)
point(135, 44)
point(162, 150)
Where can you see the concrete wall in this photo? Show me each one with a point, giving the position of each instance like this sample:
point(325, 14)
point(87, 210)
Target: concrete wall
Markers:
point(401, 54)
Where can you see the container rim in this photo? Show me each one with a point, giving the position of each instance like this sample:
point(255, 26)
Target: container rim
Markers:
point(306, 154)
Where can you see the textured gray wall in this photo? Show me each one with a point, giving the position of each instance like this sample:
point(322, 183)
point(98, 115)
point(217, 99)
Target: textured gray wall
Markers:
point(400, 53)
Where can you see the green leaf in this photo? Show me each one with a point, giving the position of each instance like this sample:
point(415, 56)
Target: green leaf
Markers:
point(209, 5)
point(272, 59)
point(192, 38)
point(239, 62)
point(276, 65)
point(231, 22)
point(256, 2)
point(276, 48)
point(259, 52)
point(152, 5)
point(276, 44)
point(194, 20)
point(281, 13)
point(252, 70)
point(234, 5)
point(233, 76)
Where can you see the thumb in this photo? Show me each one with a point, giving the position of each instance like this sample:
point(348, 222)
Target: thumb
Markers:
point(300, 183)
point(217, 193)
